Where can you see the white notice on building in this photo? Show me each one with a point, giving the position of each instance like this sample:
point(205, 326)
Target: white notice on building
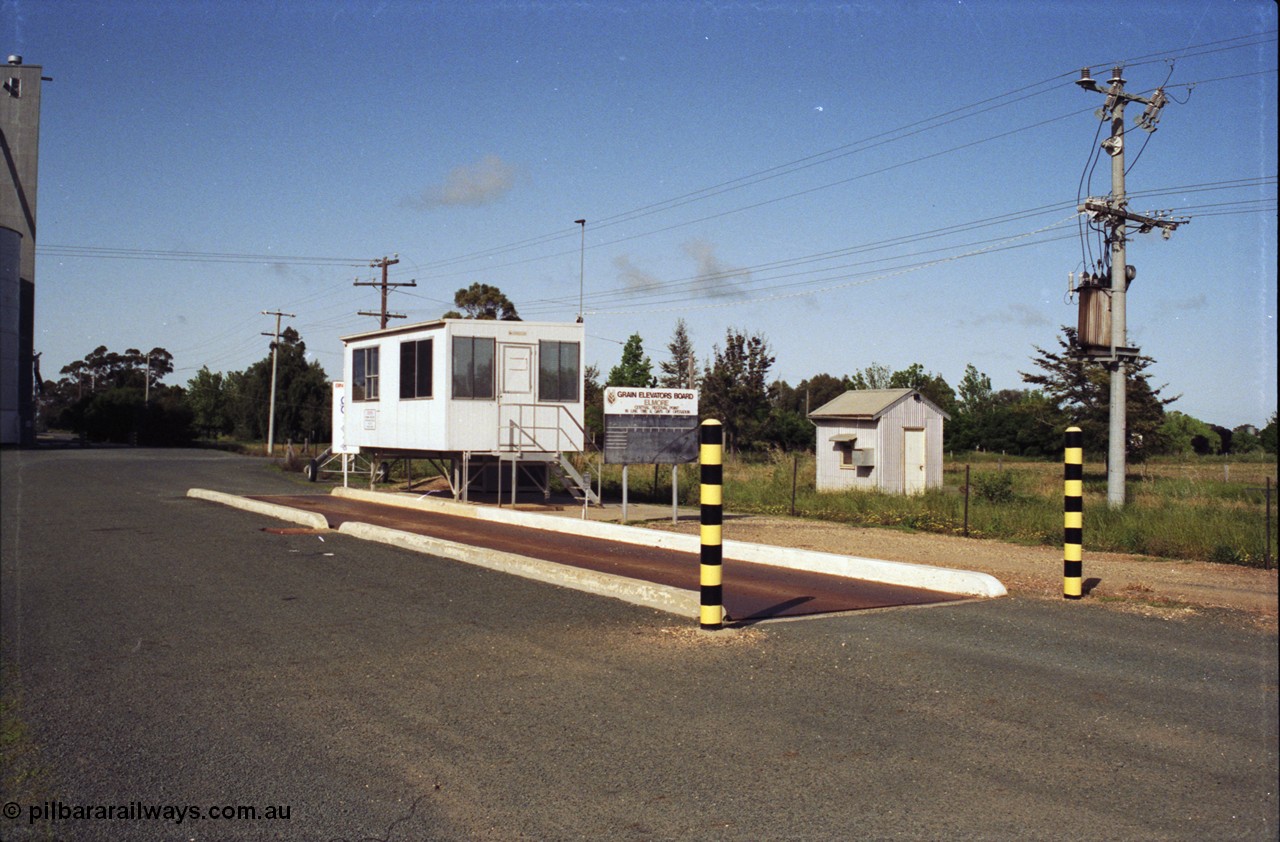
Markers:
point(625, 400)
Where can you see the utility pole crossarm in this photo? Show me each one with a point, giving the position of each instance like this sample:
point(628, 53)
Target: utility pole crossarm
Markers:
point(385, 284)
point(1118, 97)
point(1103, 207)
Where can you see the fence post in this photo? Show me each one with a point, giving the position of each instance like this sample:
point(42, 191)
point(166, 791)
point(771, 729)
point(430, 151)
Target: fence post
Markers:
point(1266, 548)
point(1073, 514)
point(795, 471)
point(966, 501)
point(711, 461)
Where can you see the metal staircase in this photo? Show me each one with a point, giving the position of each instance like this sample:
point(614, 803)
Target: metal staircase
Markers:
point(578, 486)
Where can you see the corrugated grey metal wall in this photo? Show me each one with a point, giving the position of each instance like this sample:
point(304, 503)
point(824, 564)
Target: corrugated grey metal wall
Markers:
point(887, 437)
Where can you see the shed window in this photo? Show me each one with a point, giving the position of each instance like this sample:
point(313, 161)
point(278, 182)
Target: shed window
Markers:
point(415, 369)
point(558, 375)
point(473, 367)
point(364, 374)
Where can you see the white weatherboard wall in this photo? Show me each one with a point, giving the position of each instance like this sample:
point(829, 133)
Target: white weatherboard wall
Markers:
point(444, 423)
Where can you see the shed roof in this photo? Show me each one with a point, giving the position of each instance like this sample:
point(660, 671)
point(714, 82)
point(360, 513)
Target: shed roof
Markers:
point(868, 403)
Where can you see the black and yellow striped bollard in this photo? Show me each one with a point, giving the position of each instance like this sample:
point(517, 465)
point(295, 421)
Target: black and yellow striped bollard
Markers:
point(710, 458)
point(1073, 514)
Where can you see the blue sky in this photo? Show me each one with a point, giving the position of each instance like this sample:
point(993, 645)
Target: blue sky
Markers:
point(862, 183)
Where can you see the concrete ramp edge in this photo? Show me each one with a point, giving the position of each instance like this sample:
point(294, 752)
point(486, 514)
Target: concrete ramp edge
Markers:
point(942, 579)
point(313, 520)
point(649, 594)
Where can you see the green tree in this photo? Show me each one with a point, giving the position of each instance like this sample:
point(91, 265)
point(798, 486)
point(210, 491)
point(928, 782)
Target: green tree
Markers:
point(1184, 435)
point(679, 371)
point(1267, 436)
point(103, 369)
point(482, 301)
point(735, 389)
point(303, 396)
point(238, 404)
point(874, 376)
point(207, 399)
point(820, 389)
point(973, 403)
point(1081, 389)
point(593, 404)
point(634, 369)
point(1031, 423)
point(1018, 422)
point(975, 391)
point(69, 403)
point(1244, 440)
point(789, 425)
point(932, 386)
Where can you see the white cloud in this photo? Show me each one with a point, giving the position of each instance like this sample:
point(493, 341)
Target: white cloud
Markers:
point(473, 185)
point(713, 277)
point(1021, 315)
point(633, 277)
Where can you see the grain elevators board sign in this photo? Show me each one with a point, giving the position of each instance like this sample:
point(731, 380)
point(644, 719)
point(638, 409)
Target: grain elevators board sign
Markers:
point(650, 426)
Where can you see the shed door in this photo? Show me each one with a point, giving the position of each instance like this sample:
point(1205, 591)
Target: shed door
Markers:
point(517, 373)
point(913, 458)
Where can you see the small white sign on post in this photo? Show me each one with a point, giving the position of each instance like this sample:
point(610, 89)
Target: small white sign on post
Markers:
point(340, 420)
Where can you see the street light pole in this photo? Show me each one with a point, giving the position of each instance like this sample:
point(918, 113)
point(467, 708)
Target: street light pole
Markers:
point(582, 250)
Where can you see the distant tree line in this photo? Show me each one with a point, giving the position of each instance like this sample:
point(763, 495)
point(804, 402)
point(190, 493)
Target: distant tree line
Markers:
point(110, 397)
point(117, 397)
point(1064, 389)
point(122, 397)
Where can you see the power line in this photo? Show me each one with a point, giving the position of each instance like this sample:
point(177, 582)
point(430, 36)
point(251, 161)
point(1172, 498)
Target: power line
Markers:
point(854, 279)
point(602, 298)
point(107, 253)
point(799, 164)
point(769, 173)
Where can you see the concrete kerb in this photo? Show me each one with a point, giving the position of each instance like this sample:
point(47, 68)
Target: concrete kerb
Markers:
point(942, 579)
point(313, 520)
point(648, 594)
point(635, 591)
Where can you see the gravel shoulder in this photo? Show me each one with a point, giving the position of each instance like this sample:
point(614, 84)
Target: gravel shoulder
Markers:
point(1168, 588)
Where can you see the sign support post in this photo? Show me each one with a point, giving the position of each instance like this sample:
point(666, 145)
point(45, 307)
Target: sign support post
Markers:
point(675, 495)
point(624, 492)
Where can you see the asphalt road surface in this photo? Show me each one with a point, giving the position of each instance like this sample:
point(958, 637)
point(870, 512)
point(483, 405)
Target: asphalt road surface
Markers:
point(160, 651)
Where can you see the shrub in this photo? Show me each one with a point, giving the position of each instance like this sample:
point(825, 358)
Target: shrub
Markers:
point(994, 488)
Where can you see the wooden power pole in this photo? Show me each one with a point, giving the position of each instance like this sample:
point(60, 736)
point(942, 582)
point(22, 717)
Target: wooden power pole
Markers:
point(275, 356)
point(384, 264)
